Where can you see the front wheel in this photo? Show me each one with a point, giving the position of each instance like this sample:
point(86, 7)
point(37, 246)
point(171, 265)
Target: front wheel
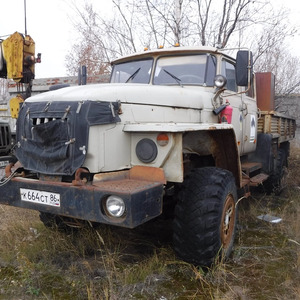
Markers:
point(205, 216)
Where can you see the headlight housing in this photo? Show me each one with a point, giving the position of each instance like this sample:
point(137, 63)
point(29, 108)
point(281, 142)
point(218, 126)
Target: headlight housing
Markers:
point(220, 81)
point(115, 206)
point(146, 150)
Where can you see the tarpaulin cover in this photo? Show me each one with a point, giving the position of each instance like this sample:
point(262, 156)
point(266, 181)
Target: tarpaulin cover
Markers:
point(52, 137)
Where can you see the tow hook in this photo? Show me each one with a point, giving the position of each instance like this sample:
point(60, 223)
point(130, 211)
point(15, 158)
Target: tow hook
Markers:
point(78, 181)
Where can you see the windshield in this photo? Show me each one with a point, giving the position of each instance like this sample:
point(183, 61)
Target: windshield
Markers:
point(197, 69)
point(186, 69)
point(138, 71)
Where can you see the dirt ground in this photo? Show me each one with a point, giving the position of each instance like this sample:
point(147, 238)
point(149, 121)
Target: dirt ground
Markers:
point(265, 262)
point(115, 263)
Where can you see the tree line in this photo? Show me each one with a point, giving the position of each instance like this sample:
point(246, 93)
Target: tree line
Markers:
point(137, 24)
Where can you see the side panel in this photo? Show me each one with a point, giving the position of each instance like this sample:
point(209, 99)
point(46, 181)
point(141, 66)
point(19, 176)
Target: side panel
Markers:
point(173, 166)
point(108, 148)
point(215, 140)
point(250, 123)
point(169, 157)
point(235, 101)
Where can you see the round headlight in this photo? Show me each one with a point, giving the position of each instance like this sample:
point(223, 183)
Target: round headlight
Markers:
point(220, 81)
point(115, 206)
point(146, 150)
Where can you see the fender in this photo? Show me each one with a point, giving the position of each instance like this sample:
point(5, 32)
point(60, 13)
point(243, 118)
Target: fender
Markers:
point(215, 139)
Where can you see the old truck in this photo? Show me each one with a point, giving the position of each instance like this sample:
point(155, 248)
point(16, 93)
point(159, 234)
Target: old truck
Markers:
point(176, 130)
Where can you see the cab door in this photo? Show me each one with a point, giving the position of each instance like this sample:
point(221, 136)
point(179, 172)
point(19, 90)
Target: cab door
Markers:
point(244, 115)
point(234, 99)
point(249, 113)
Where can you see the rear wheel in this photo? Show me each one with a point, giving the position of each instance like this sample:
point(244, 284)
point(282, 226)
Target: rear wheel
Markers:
point(281, 171)
point(277, 181)
point(205, 216)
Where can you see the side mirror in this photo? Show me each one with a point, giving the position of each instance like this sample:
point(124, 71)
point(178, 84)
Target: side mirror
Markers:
point(243, 68)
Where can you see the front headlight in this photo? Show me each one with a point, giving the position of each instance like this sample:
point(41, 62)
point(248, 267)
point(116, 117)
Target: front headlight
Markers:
point(115, 206)
point(220, 81)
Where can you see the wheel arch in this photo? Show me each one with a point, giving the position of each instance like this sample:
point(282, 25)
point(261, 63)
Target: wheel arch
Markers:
point(220, 144)
point(198, 139)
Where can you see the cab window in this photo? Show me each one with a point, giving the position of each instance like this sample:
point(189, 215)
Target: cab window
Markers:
point(138, 71)
point(197, 69)
point(228, 70)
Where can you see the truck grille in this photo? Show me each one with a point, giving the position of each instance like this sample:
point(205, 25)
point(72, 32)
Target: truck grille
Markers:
point(52, 137)
point(38, 121)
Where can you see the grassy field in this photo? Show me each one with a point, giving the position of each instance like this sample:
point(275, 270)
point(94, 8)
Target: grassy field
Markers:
point(115, 263)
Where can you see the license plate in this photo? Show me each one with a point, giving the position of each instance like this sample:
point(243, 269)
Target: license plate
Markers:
point(40, 197)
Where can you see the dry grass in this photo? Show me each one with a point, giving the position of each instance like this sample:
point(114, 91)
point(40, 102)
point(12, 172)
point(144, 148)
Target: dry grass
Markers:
point(116, 263)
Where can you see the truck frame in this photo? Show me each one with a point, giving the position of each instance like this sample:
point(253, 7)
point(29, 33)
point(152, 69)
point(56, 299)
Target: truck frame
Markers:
point(176, 130)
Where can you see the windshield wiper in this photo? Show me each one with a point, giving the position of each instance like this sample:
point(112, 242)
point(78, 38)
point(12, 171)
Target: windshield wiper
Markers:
point(174, 77)
point(132, 75)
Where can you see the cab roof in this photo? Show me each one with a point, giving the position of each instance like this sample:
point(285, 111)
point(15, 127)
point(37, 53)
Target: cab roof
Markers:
point(168, 51)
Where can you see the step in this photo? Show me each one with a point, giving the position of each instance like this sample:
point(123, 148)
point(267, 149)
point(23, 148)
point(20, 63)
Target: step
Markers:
point(255, 180)
point(258, 179)
point(249, 167)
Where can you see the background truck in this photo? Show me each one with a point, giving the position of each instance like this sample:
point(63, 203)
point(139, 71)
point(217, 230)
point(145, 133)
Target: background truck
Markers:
point(5, 138)
point(176, 130)
point(17, 62)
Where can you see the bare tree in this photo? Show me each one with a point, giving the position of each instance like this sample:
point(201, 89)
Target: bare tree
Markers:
point(203, 8)
point(169, 15)
point(136, 24)
point(90, 49)
point(234, 12)
point(281, 63)
point(271, 54)
point(164, 22)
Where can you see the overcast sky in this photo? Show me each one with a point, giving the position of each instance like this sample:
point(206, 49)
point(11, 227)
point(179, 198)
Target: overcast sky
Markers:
point(50, 26)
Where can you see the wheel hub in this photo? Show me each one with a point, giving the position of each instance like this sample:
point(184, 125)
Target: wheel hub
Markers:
point(227, 221)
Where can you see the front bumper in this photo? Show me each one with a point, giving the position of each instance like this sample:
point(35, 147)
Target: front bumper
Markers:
point(142, 196)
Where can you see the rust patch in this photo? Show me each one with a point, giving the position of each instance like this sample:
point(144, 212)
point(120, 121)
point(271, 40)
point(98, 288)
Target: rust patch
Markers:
point(12, 167)
point(147, 174)
point(126, 186)
point(8, 169)
point(151, 174)
point(78, 180)
point(225, 152)
point(111, 176)
point(44, 177)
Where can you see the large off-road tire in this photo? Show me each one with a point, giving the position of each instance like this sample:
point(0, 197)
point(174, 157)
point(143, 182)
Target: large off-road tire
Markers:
point(277, 181)
point(205, 216)
point(281, 171)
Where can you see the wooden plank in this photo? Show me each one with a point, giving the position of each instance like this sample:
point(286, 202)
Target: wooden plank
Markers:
point(258, 179)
